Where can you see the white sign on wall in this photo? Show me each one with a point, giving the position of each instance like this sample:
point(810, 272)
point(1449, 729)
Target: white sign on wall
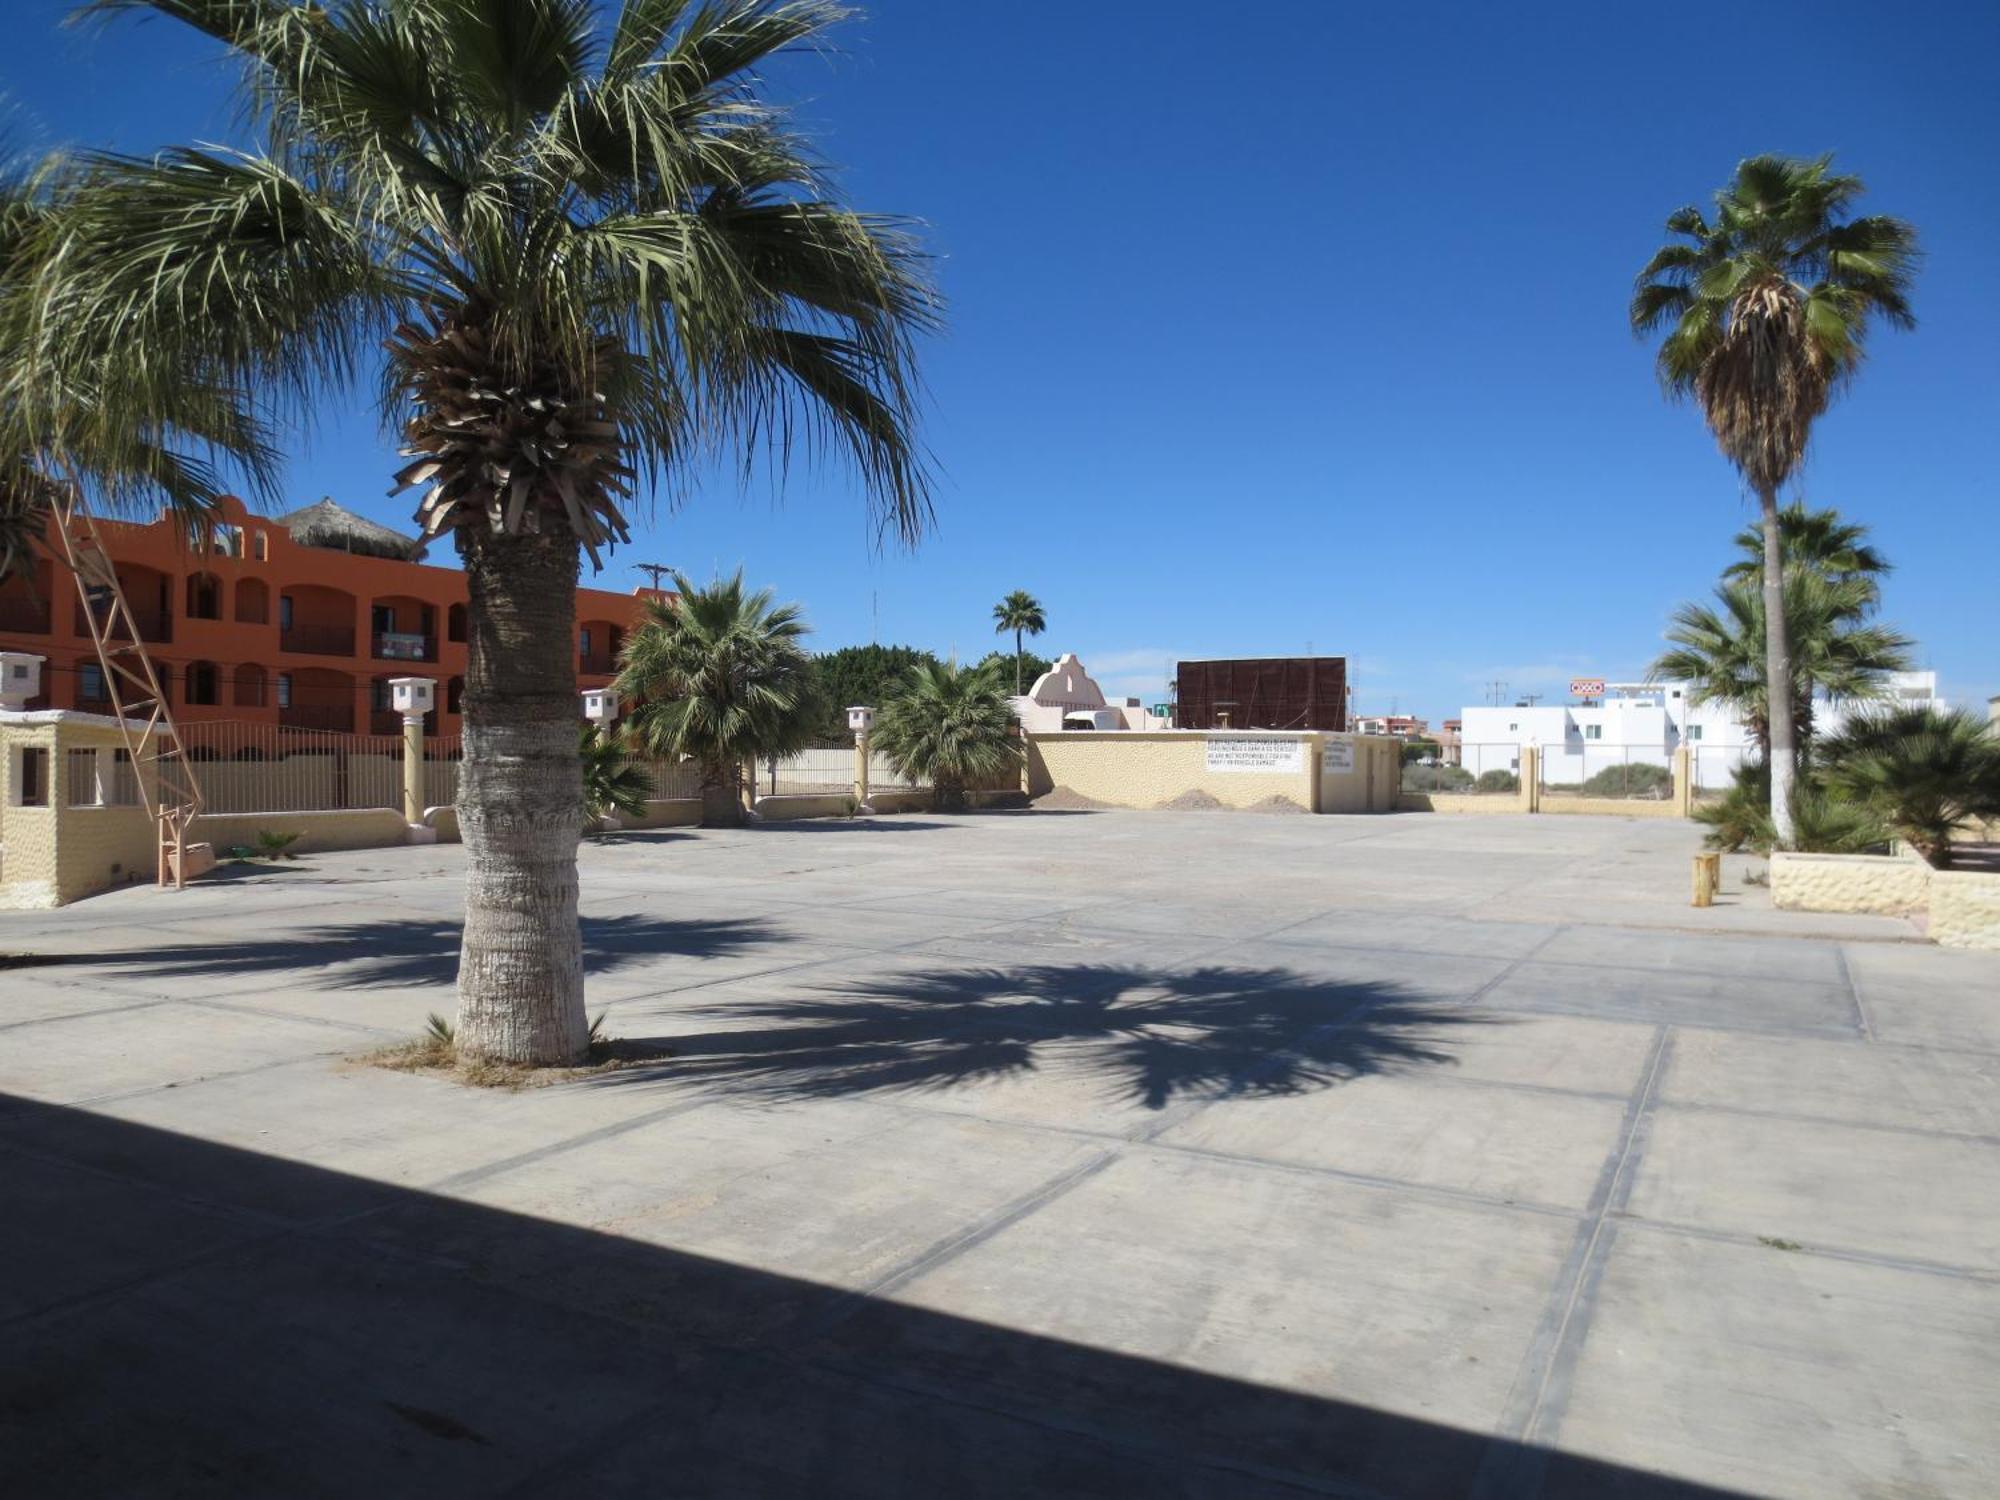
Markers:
point(1231, 754)
point(1339, 758)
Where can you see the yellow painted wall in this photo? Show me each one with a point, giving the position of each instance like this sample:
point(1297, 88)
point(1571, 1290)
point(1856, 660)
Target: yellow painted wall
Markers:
point(1620, 807)
point(366, 828)
point(27, 834)
point(1463, 802)
point(1888, 884)
point(1965, 909)
point(1144, 769)
point(1374, 783)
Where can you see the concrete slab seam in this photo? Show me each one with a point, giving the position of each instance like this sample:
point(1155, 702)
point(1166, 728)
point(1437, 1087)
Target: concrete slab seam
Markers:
point(1517, 1459)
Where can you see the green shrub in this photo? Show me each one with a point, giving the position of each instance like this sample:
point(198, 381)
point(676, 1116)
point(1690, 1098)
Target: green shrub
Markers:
point(1633, 779)
point(1929, 774)
point(1498, 781)
point(1436, 779)
point(1823, 821)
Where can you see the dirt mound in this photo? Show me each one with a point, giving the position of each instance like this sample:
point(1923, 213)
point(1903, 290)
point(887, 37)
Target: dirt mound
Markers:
point(1062, 799)
point(1276, 803)
point(1192, 800)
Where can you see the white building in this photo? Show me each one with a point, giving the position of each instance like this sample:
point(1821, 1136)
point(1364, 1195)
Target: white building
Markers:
point(1609, 724)
point(1066, 697)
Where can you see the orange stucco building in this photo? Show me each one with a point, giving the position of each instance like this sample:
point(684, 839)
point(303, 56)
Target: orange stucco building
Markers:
point(299, 620)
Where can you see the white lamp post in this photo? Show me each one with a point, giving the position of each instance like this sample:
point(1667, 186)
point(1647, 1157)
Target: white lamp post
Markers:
point(412, 697)
point(861, 720)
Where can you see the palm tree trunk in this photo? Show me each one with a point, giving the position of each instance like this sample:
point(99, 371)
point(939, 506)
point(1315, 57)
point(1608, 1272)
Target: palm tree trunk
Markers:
point(520, 803)
point(1017, 661)
point(1778, 674)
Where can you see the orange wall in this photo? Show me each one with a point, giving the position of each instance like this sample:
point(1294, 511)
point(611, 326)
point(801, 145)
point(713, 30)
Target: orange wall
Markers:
point(331, 653)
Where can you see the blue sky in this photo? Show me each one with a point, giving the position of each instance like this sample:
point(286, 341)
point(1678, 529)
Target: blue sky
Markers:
point(1302, 323)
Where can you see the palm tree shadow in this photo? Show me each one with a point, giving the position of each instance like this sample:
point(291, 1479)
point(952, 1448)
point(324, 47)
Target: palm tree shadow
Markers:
point(413, 951)
point(1146, 1038)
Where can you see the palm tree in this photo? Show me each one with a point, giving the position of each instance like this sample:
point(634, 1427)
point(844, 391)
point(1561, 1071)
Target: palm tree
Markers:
point(1020, 612)
point(1819, 540)
point(595, 254)
point(1837, 650)
point(949, 725)
point(611, 783)
point(60, 426)
point(1928, 773)
point(1768, 307)
point(721, 679)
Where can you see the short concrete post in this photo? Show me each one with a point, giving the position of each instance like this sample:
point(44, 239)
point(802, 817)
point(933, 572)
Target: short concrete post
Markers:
point(1707, 876)
point(1531, 778)
point(861, 720)
point(1684, 785)
point(412, 697)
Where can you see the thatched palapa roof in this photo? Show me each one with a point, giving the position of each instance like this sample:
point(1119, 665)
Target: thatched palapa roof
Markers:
point(339, 529)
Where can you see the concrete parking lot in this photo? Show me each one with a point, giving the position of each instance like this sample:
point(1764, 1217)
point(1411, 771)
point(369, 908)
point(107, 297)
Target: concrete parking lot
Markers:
point(1018, 1153)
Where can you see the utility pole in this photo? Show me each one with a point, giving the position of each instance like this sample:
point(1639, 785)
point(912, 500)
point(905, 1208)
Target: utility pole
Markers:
point(653, 571)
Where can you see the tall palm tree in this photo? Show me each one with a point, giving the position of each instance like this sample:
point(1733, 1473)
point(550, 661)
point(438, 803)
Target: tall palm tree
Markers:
point(721, 679)
point(949, 726)
point(1767, 308)
point(1836, 650)
point(595, 254)
point(1020, 612)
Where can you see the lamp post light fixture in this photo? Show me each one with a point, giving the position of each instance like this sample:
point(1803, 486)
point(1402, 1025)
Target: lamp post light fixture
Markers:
point(600, 706)
point(20, 678)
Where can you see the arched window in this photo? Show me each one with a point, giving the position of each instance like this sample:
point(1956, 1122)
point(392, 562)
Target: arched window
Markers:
point(204, 597)
point(253, 602)
point(202, 683)
point(249, 680)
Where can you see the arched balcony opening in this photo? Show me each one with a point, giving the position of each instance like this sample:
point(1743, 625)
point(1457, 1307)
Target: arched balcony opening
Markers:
point(204, 597)
point(316, 698)
point(314, 620)
point(253, 602)
point(201, 684)
point(24, 599)
point(251, 686)
point(455, 624)
point(454, 696)
point(402, 629)
point(597, 643)
point(149, 594)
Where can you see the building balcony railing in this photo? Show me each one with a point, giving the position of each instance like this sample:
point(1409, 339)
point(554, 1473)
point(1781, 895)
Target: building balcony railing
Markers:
point(596, 663)
point(318, 640)
point(25, 616)
point(338, 716)
point(395, 645)
point(155, 628)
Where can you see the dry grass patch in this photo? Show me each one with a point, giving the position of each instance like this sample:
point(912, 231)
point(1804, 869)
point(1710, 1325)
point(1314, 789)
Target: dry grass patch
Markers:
point(436, 1053)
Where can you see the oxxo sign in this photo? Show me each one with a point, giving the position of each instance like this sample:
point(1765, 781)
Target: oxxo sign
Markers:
point(1229, 753)
point(1586, 687)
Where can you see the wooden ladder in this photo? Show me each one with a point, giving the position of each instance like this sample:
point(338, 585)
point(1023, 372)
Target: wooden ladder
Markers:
point(168, 787)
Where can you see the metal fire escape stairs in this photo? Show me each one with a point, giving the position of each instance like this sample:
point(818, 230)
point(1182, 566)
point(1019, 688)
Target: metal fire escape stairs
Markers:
point(168, 787)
